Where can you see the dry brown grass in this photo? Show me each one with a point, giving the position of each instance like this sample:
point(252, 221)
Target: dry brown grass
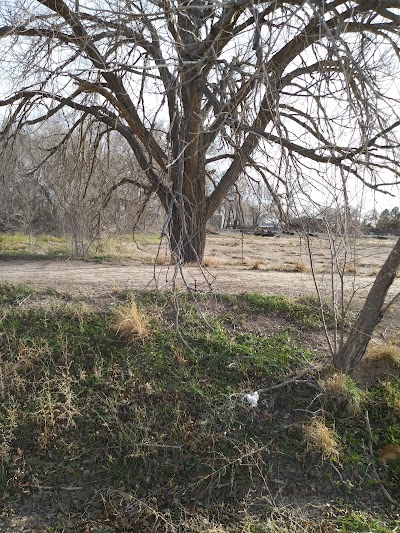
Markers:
point(211, 262)
point(387, 353)
point(162, 259)
point(299, 266)
point(343, 394)
point(256, 264)
point(351, 269)
point(391, 452)
point(320, 438)
point(131, 323)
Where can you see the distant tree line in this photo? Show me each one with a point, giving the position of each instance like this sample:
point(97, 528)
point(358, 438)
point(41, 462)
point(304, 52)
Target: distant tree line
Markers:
point(83, 187)
point(89, 185)
point(387, 223)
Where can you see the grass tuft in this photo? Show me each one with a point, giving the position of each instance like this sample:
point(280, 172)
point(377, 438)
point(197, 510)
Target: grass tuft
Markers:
point(343, 395)
point(319, 437)
point(299, 266)
point(256, 264)
point(11, 293)
point(162, 259)
point(306, 310)
point(211, 262)
point(131, 323)
point(387, 353)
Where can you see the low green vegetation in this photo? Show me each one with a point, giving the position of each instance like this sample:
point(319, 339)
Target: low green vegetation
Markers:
point(23, 246)
point(306, 310)
point(11, 294)
point(357, 522)
point(127, 423)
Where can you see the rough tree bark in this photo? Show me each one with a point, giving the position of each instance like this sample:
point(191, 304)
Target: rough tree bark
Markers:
point(347, 358)
point(187, 226)
point(187, 233)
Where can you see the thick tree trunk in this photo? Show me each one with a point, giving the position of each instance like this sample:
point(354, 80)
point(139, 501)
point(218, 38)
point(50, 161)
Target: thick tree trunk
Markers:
point(188, 212)
point(371, 314)
point(188, 232)
point(188, 220)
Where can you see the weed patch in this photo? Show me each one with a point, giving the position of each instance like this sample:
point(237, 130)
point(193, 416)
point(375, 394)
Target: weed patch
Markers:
point(343, 396)
point(156, 434)
point(11, 294)
point(388, 353)
point(355, 522)
point(131, 323)
point(319, 437)
point(305, 310)
point(22, 246)
point(211, 262)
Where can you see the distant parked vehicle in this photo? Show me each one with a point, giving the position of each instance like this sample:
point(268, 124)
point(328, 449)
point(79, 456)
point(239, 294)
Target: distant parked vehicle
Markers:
point(267, 229)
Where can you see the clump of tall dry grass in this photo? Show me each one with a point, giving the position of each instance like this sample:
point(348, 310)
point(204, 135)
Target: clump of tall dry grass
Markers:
point(211, 262)
point(342, 394)
point(319, 437)
point(257, 264)
point(131, 323)
point(388, 353)
point(162, 259)
point(299, 266)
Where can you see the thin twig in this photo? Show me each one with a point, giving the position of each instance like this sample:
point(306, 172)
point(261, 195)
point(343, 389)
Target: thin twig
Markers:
point(21, 302)
point(392, 301)
point(295, 379)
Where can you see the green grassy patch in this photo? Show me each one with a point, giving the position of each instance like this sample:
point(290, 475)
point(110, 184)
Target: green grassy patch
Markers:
point(306, 310)
point(142, 434)
point(356, 522)
point(11, 294)
point(22, 246)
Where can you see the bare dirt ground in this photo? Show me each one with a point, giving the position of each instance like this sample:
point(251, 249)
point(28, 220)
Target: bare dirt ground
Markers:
point(85, 277)
point(235, 264)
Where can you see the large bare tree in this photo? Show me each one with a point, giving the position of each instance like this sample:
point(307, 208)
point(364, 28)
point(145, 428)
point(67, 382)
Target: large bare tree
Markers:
point(204, 91)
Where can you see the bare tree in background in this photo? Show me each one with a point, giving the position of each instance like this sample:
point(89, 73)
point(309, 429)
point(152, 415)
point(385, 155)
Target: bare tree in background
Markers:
point(24, 203)
point(268, 86)
point(288, 91)
point(80, 173)
point(65, 185)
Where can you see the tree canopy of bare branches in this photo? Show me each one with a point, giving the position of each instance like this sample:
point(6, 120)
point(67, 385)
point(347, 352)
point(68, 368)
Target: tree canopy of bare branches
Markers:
point(204, 92)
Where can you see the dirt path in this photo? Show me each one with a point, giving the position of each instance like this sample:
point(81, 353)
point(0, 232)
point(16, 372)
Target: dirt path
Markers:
point(81, 276)
point(254, 264)
point(84, 277)
point(96, 283)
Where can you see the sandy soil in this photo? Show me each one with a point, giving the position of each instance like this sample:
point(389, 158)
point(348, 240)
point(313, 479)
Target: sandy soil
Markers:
point(363, 256)
point(91, 278)
point(79, 274)
point(83, 277)
point(235, 265)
